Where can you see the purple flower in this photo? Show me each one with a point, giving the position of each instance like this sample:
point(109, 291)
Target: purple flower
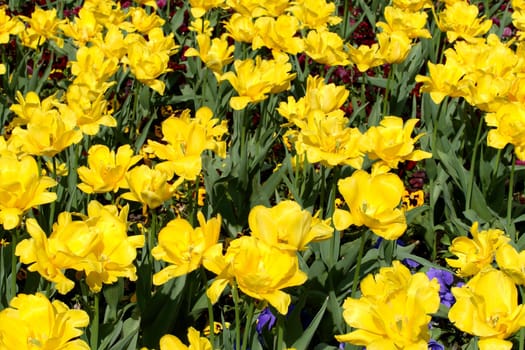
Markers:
point(161, 3)
point(266, 318)
point(445, 280)
point(434, 345)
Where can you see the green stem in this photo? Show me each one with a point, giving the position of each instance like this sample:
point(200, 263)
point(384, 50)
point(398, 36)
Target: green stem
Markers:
point(235, 294)
point(470, 183)
point(357, 271)
point(521, 343)
point(387, 90)
point(14, 270)
point(210, 308)
point(512, 233)
point(247, 329)
point(345, 19)
point(280, 331)
point(95, 323)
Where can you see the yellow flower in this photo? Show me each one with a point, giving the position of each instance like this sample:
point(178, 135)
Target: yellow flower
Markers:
point(240, 28)
point(185, 140)
point(391, 142)
point(257, 8)
point(487, 307)
point(413, 200)
point(287, 226)
point(328, 139)
point(509, 121)
point(215, 53)
point(326, 48)
point(199, 7)
point(149, 186)
point(477, 253)
point(107, 170)
point(112, 43)
point(327, 98)
point(196, 342)
point(393, 311)
point(90, 109)
point(410, 22)
point(47, 134)
point(114, 252)
point(511, 262)
point(412, 5)
point(8, 25)
point(32, 321)
point(394, 47)
point(84, 28)
point(144, 22)
point(260, 271)
point(68, 244)
point(372, 201)
point(314, 14)
point(460, 20)
point(147, 60)
point(183, 247)
point(365, 57)
point(92, 68)
point(443, 80)
point(277, 34)
point(21, 188)
point(30, 106)
point(254, 80)
point(43, 25)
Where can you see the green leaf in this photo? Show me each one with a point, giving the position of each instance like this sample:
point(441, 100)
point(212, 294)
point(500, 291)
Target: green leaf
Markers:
point(304, 341)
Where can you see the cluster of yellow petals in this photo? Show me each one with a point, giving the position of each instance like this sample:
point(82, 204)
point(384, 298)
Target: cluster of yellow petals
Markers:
point(373, 200)
point(22, 186)
point(393, 311)
point(98, 245)
point(33, 322)
point(492, 316)
point(477, 253)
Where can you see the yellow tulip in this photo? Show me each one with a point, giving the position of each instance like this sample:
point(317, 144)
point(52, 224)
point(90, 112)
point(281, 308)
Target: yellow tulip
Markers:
point(287, 226)
point(412, 5)
point(30, 106)
point(185, 140)
point(277, 34)
point(83, 29)
point(47, 134)
point(511, 262)
point(315, 14)
point(325, 47)
point(199, 7)
point(373, 200)
point(149, 186)
point(254, 80)
point(257, 8)
point(41, 26)
point(393, 311)
point(240, 28)
point(196, 342)
point(477, 253)
point(214, 53)
point(107, 170)
point(143, 21)
point(443, 80)
point(21, 188)
point(32, 321)
point(509, 121)
point(328, 139)
point(260, 271)
point(8, 25)
point(319, 96)
point(66, 247)
point(487, 307)
point(391, 143)
point(394, 47)
point(460, 20)
point(410, 22)
point(365, 57)
point(114, 252)
point(183, 247)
